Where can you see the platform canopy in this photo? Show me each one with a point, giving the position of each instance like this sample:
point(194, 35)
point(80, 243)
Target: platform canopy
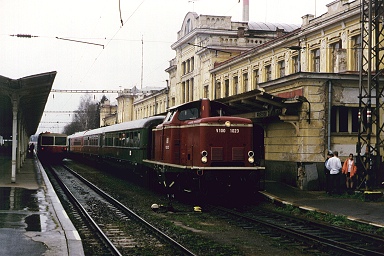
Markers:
point(27, 95)
point(261, 106)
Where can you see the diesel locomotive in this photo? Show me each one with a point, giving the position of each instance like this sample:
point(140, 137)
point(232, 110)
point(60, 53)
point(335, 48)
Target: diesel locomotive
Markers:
point(196, 147)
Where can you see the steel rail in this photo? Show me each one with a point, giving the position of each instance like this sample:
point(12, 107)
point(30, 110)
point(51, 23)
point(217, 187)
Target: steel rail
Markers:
point(161, 235)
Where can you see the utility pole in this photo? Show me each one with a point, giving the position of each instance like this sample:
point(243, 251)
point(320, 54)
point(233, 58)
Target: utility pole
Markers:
point(371, 94)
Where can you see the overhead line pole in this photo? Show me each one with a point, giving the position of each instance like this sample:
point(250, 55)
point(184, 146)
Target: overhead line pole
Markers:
point(371, 93)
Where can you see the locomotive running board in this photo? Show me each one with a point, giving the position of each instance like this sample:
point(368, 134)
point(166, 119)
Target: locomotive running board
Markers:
point(204, 168)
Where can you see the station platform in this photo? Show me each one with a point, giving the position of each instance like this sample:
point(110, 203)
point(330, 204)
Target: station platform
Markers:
point(32, 219)
point(354, 208)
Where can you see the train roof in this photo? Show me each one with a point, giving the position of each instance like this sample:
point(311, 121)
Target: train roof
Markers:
point(52, 134)
point(141, 123)
point(76, 134)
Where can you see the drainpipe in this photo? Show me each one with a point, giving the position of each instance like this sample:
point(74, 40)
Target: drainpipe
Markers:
point(329, 114)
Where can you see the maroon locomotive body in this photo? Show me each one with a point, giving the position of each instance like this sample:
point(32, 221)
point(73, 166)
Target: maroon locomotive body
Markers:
point(198, 146)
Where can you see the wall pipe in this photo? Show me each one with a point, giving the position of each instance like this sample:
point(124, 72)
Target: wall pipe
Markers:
point(329, 114)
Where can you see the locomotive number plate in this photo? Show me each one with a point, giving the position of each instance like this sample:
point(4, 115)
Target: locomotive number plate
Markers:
point(230, 130)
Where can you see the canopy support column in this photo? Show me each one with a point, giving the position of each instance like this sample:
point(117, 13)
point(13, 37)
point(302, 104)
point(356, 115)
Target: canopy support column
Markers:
point(15, 109)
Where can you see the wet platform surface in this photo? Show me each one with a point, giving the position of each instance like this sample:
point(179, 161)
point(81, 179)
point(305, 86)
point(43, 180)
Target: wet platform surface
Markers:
point(32, 220)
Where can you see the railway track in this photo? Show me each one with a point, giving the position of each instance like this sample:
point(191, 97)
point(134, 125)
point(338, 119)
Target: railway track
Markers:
point(317, 238)
point(112, 228)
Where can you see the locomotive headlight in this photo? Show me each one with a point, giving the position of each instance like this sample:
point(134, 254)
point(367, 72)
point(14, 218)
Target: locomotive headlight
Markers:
point(251, 158)
point(227, 124)
point(204, 158)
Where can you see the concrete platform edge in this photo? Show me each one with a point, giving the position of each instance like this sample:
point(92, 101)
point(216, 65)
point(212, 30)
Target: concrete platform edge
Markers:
point(74, 243)
point(278, 201)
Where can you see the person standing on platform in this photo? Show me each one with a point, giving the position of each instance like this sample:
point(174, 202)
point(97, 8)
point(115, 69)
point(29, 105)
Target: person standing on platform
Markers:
point(349, 169)
point(334, 165)
point(327, 173)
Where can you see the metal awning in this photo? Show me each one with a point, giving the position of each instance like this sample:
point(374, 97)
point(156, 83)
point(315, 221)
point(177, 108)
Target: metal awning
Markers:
point(261, 106)
point(31, 93)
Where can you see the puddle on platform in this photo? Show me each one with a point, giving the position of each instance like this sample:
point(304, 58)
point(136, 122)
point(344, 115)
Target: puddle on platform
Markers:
point(16, 205)
point(18, 199)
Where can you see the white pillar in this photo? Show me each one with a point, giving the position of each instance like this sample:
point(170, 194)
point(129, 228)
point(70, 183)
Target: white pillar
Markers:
point(15, 106)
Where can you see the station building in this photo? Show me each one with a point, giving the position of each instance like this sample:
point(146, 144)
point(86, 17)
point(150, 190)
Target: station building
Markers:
point(298, 83)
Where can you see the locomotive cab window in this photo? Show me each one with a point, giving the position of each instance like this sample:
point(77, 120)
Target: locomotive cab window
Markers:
point(46, 140)
point(169, 116)
point(189, 114)
point(60, 141)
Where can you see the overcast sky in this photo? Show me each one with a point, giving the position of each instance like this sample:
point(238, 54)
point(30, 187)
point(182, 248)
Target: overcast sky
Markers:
point(116, 64)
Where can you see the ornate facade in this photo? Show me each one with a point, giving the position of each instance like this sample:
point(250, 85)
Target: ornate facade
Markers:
point(299, 84)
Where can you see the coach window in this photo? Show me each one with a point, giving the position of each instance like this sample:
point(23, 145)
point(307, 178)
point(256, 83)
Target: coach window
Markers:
point(115, 139)
point(108, 140)
point(136, 139)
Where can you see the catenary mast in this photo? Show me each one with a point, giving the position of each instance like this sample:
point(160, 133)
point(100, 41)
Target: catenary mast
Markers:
point(370, 142)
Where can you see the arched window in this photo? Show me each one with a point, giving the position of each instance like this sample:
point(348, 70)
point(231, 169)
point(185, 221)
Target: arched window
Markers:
point(188, 26)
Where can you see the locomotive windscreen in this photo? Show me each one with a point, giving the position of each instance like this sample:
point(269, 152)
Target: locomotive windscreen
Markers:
point(60, 141)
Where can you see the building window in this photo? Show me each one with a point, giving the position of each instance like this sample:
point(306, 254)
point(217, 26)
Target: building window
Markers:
point(226, 83)
point(344, 119)
point(333, 57)
point(191, 86)
point(268, 73)
point(281, 68)
point(188, 66)
point(235, 85)
point(183, 67)
point(218, 90)
point(245, 82)
point(183, 92)
point(356, 48)
point(192, 63)
point(206, 91)
point(295, 64)
point(188, 26)
point(316, 60)
point(255, 78)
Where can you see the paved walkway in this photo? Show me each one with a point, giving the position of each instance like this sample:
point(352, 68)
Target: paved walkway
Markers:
point(32, 219)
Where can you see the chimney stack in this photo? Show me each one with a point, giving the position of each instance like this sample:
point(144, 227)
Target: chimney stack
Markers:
point(245, 10)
